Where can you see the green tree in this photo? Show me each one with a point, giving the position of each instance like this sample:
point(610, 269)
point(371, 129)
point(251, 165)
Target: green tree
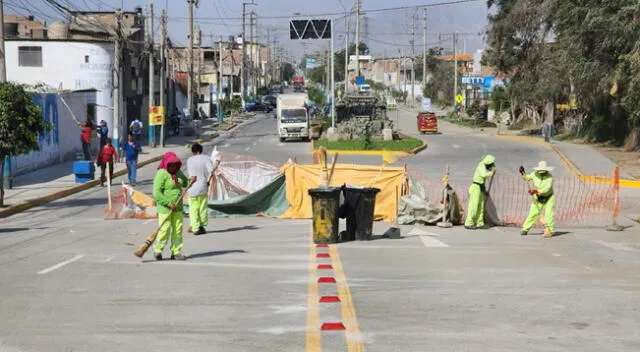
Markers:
point(288, 71)
point(21, 125)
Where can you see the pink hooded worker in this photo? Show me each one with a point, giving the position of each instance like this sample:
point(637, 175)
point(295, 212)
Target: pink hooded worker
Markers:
point(168, 186)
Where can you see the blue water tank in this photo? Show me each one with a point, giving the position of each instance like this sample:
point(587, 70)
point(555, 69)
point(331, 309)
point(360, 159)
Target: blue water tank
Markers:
point(84, 171)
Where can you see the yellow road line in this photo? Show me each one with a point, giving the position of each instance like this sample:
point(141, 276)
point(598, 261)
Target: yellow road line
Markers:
point(571, 166)
point(349, 319)
point(313, 342)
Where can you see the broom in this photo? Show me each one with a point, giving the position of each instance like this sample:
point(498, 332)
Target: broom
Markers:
point(152, 237)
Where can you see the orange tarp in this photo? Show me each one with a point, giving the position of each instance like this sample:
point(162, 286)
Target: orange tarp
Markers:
point(301, 178)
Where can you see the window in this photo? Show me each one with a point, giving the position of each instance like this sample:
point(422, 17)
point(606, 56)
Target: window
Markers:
point(30, 56)
point(86, 59)
point(91, 112)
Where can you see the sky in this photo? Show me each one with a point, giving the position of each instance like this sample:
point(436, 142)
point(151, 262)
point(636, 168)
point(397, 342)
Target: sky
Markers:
point(388, 33)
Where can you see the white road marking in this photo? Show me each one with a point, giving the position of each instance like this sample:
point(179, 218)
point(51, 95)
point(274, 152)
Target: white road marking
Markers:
point(109, 259)
point(419, 232)
point(432, 242)
point(247, 149)
point(455, 146)
point(148, 221)
point(229, 265)
point(60, 265)
point(226, 145)
point(616, 246)
point(255, 143)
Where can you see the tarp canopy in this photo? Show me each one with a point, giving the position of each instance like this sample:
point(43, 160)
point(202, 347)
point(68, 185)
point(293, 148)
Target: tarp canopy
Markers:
point(270, 200)
point(301, 178)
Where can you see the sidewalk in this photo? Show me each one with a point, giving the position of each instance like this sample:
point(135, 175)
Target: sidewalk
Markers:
point(57, 181)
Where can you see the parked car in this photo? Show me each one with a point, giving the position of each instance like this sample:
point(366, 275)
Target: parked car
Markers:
point(270, 100)
point(259, 106)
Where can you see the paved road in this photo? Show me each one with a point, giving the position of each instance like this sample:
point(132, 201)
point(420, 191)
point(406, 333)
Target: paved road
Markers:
point(71, 283)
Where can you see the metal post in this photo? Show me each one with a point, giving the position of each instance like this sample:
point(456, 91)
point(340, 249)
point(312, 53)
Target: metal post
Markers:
point(3, 78)
point(220, 71)
point(357, 38)
point(152, 102)
point(346, 53)
point(333, 81)
point(424, 49)
point(163, 21)
point(244, 44)
point(190, 79)
point(455, 70)
point(116, 82)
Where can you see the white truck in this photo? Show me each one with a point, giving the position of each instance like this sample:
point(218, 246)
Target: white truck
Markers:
point(292, 116)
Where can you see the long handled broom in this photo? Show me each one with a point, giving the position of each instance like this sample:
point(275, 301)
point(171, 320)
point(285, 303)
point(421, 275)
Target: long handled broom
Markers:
point(152, 237)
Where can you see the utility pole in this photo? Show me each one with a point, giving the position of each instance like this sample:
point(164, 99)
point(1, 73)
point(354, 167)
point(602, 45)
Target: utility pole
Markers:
point(3, 63)
point(3, 78)
point(357, 38)
point(346, 52)
point(333, 80)
point(243, 70)
point(152, 129)
point(190, 79)
point(252, 72)
point(424, 49)
point(116, 80)
point(163, 78)
point(219, 90)
point(413, 56)
point(455, 70)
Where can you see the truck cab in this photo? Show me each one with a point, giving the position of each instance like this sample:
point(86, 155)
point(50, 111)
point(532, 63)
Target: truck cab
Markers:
point(292, 116)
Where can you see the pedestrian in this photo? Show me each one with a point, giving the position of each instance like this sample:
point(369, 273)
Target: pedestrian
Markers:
point(136, 128)
point(168, 185)
point(477, 191)
point(85, 137)
point(200, 169)
point(130, 150)
point(103, 133)
point(107, 156)
point(543, 197)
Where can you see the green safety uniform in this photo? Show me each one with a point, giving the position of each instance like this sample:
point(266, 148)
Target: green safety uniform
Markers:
point(475, 210)
point(543, 183)
point(165, 192)
point(199, 211)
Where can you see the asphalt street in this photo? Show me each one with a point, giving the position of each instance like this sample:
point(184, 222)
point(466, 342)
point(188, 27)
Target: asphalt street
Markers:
point(70, 281)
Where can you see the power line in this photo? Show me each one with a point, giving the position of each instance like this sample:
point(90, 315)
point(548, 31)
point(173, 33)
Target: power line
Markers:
point(362, 12)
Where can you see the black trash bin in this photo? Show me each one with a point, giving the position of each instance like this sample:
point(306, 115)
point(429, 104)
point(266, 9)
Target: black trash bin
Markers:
point(359, 206)
point(325, 203)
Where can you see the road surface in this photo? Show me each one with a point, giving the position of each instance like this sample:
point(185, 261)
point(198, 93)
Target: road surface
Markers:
point(70, 281)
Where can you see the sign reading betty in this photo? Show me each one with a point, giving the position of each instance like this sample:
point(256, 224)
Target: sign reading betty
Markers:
point(156, 115)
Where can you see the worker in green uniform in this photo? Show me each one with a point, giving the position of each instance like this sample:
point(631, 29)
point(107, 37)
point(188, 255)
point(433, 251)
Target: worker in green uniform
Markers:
point(477, 191)
point(168, 186)
point(543, 197)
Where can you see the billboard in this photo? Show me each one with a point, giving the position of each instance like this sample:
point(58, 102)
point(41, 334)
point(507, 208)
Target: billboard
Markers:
point(311, 62)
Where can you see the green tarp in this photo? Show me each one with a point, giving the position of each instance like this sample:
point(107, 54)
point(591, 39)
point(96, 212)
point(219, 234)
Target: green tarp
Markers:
point(271, 200)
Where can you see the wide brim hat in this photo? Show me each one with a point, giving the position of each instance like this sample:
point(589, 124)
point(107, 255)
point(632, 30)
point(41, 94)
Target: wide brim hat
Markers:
point(542, 166)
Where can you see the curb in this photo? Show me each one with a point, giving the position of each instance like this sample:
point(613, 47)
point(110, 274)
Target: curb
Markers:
point(569, 164)
point(416, 150)
point(232, 126)
point(20, 207)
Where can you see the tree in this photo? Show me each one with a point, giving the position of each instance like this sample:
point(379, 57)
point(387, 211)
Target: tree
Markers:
point(21, 125)
point(288, 71)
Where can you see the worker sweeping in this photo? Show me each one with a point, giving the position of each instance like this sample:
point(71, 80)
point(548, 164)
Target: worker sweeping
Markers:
point(167, 189)
point(543, 197)
point(477, 191)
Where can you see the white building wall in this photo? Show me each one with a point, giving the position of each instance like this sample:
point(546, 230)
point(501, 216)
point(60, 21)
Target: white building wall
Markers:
point(63, 141)
point(65, 63)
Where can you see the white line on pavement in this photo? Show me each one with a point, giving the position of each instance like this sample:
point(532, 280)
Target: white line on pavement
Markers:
point(432, 242)
point(247, 149)
point(616, 246)
point(60, 265)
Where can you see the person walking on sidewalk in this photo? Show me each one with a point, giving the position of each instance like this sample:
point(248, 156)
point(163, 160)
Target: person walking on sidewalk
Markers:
point(200, 168)
point(168, 185)
point(136, 129)
point(477, 191)
point(543, 197)
point(131, 149)
point(107, 156)
point(103, 133)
